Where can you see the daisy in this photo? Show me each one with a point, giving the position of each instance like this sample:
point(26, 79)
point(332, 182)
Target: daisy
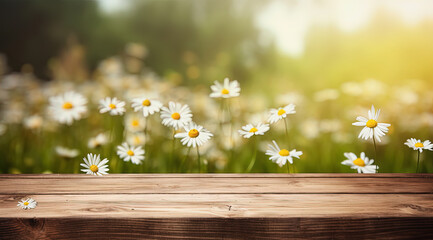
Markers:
point(136, 139)
point(371, 127)
point(133, 154)
point(94, 166)
point(249, 130)
point(100, 140)
point(134, 123)
point(362, 164)
point(2, 129)
point(226, 90)
point(280, 113)
point(176, 115)
point(33, 122)
point(28, 203)
point(112, 105)
point(148, 106)
point(194, 135)
point(418, 145)
point(67, 107)
point(66, 152)
point(281, 156)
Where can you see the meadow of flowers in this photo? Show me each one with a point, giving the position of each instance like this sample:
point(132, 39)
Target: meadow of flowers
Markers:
point(119, 122)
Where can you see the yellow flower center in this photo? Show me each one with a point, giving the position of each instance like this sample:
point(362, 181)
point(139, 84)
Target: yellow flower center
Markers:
point(193, 133)
point(136, 140)
point(67, 105)
point(418, 144)
point(175, 116)
point(130, 153)
point(94, 168)
point(146, 103)
point(225, 91)
point(359, 162)
point(253, 130)
point(26, 203)
point(281, 112)
point(112, 106)
point(284, 152)
point(371, 123)
point(135, 123)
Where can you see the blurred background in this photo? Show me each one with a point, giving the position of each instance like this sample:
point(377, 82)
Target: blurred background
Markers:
point(333, 59)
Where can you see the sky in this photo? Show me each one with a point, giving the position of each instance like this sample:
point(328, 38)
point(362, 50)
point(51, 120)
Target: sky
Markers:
point(287, 22)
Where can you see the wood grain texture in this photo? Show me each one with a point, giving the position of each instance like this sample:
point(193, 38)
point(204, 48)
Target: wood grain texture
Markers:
point(222, 205)
point(213, 206)
point(136, 184)
point(217, 228)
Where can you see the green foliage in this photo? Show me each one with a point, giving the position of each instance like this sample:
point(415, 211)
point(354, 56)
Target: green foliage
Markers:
point(201, 41)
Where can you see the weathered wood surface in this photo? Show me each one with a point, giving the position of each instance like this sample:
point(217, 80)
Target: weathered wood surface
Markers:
point(215, 206)
point(256, 183)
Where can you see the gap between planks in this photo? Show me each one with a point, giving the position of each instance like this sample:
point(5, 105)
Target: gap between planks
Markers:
point(226, 175)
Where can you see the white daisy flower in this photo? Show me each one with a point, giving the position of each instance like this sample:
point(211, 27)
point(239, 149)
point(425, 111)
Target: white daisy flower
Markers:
point(100, 140)
point(28, 203)
point(136, 139)
point(66, 152)
point(362, 164)
point(67, 107)
point(280, 113)
point(249, 130)
point(418, 145)
point(194, 135)
point(134, 123)
point(94, 166)
point(226, 90)
point(33, 122)
point(2, 129)
point(281, 156)
point(147, 105)
point(371, 127)
point(133, 154)
point(176, 115)
point(112, 105)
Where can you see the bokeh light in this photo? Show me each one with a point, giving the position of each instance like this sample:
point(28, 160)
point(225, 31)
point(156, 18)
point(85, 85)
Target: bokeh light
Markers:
point(332, 59)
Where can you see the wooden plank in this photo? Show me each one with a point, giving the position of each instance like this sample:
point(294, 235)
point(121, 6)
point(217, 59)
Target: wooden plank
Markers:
point(217, 228)
point(222, 206)
point(115, 184)
point(227, 175)
point(213, 206)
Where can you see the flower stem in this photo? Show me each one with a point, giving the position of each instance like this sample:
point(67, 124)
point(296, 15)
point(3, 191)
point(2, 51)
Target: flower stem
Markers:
point(417, 164)
point(173, 145)
point(288, 167)
point(375, 155)
point(221, 117)
point(112, 144)
point(287, 129)
point(145, 126)
point(183, 161)
point(230, 117)
point(146, 149)
point(198, 160)
point(253, 159)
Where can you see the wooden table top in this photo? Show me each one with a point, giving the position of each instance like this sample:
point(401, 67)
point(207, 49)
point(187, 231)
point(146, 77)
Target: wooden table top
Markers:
point(286, 204)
